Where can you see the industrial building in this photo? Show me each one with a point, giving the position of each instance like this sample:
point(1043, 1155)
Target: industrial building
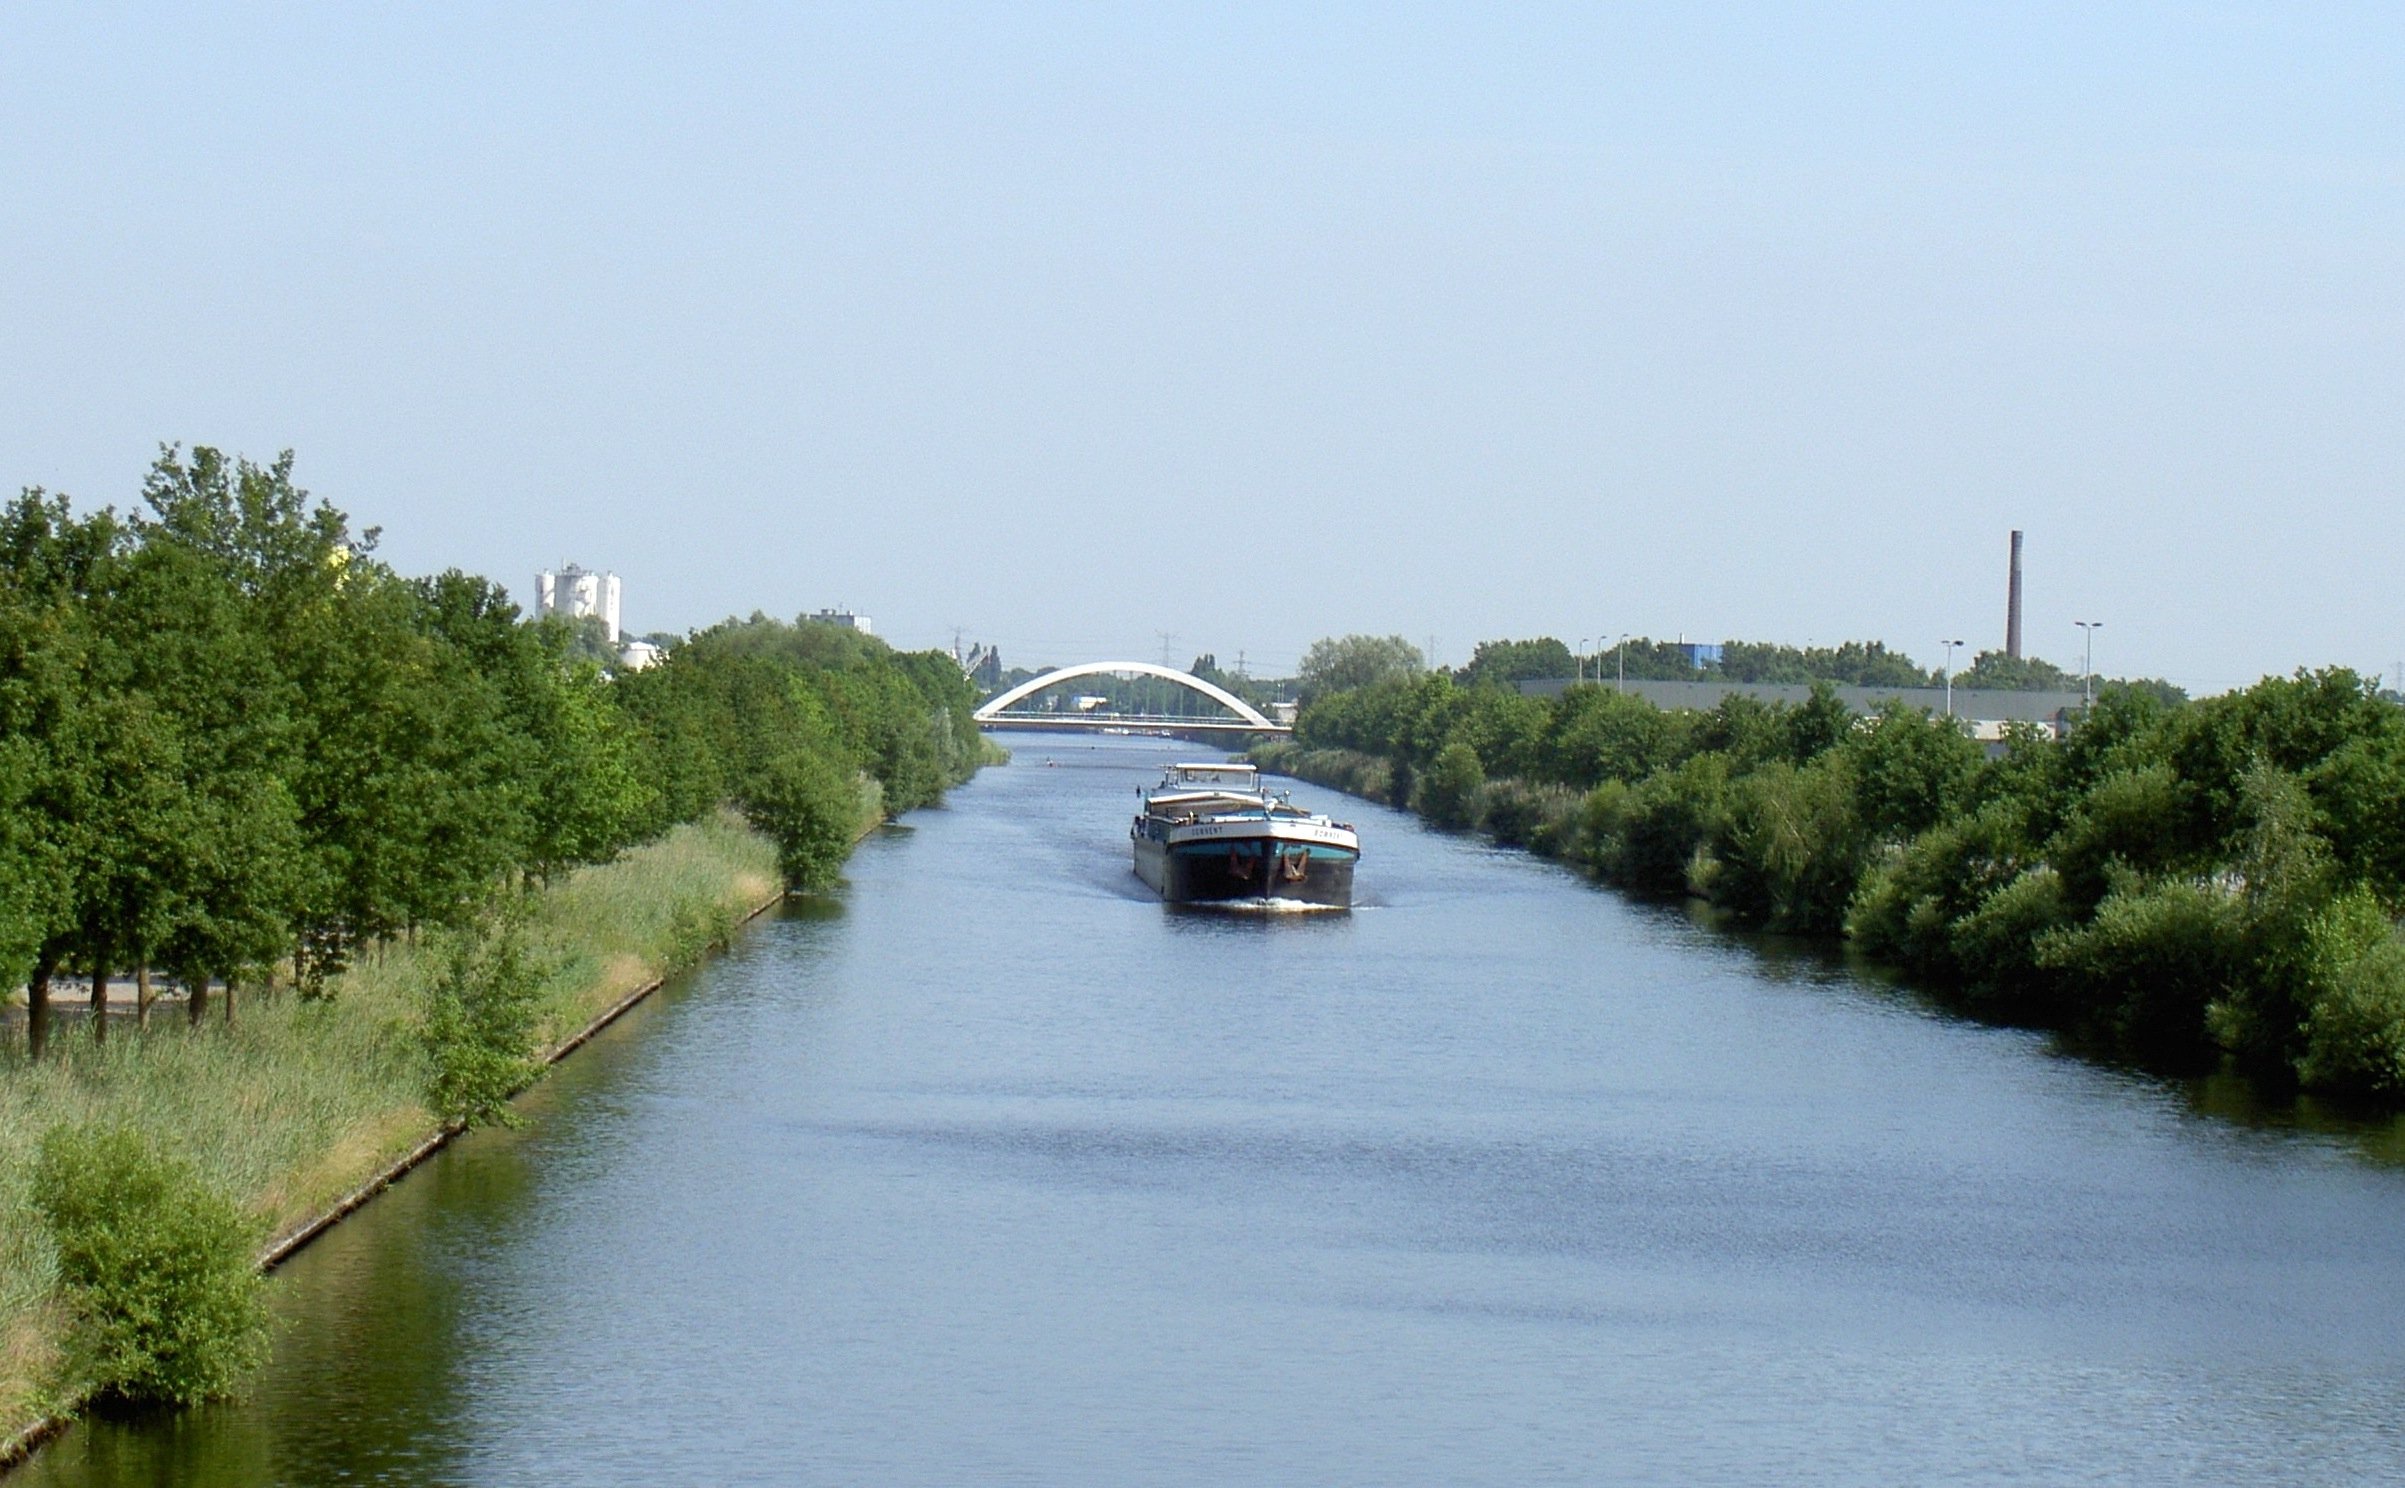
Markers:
point(577, 592)
point(840, 617)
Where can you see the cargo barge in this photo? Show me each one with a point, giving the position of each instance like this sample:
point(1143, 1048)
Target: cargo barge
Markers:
point(1213, 834)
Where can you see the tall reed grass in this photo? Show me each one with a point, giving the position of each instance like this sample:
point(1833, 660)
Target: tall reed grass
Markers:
point(299, 1102)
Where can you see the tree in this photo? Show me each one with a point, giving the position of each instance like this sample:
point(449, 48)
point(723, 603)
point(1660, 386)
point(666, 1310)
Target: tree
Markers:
point(2360, 790)
point(1343, 663)
point(811, 811)
point(1818, 724)
point(1856, 663)
point(51, 563)
point(1596, 734)
point(1505, 662)
point(27, 866)
point(205, 865)
point(1911, 770)
point(34, 842)
point(1994, 671)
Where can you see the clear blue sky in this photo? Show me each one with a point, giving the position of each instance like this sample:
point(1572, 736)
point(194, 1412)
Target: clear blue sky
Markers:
point(1069, 325)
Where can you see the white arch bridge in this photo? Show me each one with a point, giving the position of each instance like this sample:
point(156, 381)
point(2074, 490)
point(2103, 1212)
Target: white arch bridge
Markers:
point(1003, 712)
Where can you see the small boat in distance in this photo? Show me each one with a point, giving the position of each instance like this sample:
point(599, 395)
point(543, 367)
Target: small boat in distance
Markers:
point(1211, 834)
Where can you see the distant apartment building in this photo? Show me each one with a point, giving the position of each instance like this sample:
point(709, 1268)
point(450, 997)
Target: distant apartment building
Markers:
point(840, 617)
point(577, 592)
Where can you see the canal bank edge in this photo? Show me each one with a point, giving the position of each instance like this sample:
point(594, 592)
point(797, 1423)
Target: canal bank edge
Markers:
point(21, 1445)
point(284, 1248)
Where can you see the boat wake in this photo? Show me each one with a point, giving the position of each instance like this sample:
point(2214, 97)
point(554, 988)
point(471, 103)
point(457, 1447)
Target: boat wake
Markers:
point(1260, 906)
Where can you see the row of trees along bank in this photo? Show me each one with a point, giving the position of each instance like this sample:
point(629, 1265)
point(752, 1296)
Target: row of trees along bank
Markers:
point(236, 747)
point(2179, 882)
point(231, 739)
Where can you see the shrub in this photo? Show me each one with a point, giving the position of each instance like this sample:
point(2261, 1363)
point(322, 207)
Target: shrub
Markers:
point(696, 927)
point(1995, 947)
point(2131, 819)
point(482, 1014)
point(1911, 901)
point(157, 1268)
point(1348, 770)
point(1448, 791)
point(1647, 836)
point(1274, 756)
point(2151, 962)
point(2354, 1035)
point(1791, 849)
point(1537, 817)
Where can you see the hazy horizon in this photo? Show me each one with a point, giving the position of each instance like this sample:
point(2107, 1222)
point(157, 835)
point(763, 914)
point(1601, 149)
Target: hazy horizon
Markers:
point(1066, 327)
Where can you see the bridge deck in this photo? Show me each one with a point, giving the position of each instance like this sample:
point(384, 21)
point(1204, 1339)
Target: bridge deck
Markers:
point(1095, 723)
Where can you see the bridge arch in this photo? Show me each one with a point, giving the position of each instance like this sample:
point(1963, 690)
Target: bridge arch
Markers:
point(1187, 680)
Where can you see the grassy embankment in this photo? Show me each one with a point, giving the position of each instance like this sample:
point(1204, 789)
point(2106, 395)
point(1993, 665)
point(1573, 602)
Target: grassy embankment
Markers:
point(299, 1103)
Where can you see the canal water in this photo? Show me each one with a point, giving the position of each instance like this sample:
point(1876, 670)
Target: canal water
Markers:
point(993, 1171)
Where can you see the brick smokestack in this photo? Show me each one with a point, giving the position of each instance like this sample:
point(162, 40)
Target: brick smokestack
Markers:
point(2012, 604)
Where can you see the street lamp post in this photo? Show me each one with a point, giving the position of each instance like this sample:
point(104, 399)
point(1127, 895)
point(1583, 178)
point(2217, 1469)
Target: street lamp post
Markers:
point(1950, 645)
point(1582, 657)
point(2088, 662)
point(1621, 648)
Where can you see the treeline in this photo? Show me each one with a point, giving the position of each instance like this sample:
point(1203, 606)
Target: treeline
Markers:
point(2179, 883)
point(1852, 663)
point(231, 739)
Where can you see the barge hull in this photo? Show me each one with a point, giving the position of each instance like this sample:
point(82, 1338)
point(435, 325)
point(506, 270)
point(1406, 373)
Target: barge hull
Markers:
point(1240, 871)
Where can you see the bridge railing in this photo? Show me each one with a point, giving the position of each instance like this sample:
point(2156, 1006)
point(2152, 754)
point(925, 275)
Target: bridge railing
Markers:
point(1040, 719)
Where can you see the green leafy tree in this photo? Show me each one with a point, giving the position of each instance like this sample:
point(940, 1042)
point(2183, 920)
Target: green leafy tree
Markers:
point(1910, 770)
point(51, 565)
point(205, 865)
point(1818, 724)
point(1853, 663)
point(2128, 821)
point(1994, 671)
point(810, 809)
point(1911, 905)
point(2291, 723)
point(39, 717)
point(2289, 881)
point(1597, 735)
point(1501, 663)
point(28, 906)
point(2359, 791)
point(1343, 663)
point(1647, 836)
